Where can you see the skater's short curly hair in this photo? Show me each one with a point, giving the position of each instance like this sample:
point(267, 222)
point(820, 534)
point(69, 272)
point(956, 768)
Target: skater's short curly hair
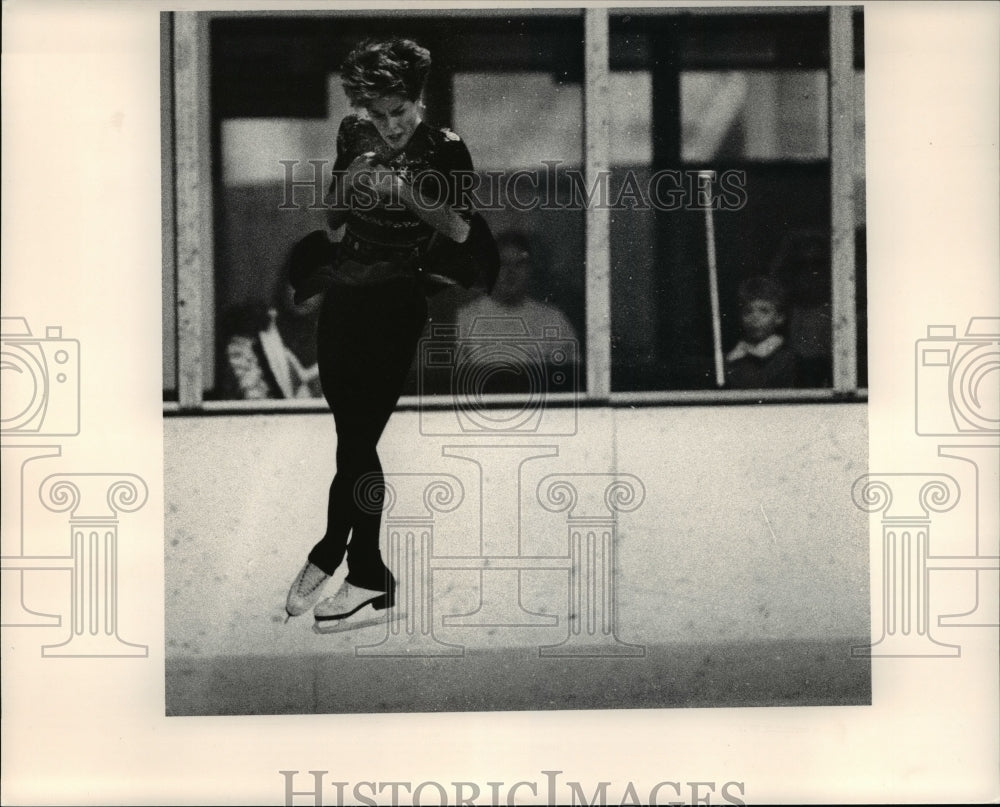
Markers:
point(376, 68)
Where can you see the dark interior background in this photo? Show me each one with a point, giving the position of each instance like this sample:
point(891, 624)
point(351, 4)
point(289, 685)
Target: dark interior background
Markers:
point(278, 66)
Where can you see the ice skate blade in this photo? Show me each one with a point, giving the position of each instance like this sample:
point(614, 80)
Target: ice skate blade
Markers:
point(365, 618)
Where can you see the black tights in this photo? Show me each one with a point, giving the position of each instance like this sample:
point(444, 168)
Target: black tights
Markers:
point(367, 337)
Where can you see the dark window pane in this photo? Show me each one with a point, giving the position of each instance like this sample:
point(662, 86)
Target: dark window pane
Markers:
point(726, 93)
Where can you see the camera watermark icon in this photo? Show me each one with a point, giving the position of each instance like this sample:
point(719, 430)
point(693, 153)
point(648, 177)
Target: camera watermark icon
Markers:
point(41, 381)
point(958, 379)
point(39, 399)
point(501, 378)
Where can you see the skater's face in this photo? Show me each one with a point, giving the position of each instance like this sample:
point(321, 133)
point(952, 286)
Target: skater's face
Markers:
point(760, 319)
point(396, 119)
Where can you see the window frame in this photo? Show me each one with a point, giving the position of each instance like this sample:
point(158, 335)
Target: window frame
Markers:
point(188, 232)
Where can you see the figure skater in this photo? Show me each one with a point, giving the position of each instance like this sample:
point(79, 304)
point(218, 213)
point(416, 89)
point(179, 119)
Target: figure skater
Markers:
point(375, 306)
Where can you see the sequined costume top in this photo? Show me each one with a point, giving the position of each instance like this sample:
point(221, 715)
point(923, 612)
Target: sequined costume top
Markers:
point(384, 240)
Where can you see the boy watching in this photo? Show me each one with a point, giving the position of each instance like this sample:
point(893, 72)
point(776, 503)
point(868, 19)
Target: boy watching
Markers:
point(761, 360)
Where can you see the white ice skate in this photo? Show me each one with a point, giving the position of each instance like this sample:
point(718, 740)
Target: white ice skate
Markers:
point(353, 607)
point(305, 590)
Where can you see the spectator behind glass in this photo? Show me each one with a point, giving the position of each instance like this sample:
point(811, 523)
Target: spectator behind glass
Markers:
point(802, 264)
point(511, 298)
point(270, 350)
point(761, 359)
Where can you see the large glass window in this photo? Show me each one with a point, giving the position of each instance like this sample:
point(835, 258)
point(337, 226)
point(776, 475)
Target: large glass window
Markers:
point(276, 104)
point(745, 94)
point(521, 124)
point(754, 115)
point(264, 343)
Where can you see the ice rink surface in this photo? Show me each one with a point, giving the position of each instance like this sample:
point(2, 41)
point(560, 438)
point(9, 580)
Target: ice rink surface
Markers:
point(737, 575)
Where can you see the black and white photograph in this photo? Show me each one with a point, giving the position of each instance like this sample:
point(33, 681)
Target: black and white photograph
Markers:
point(525, 351)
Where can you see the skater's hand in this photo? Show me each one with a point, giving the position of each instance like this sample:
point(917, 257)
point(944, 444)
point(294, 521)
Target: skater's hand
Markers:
point(347, 184)
point(360, 167)
point(371, 181)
